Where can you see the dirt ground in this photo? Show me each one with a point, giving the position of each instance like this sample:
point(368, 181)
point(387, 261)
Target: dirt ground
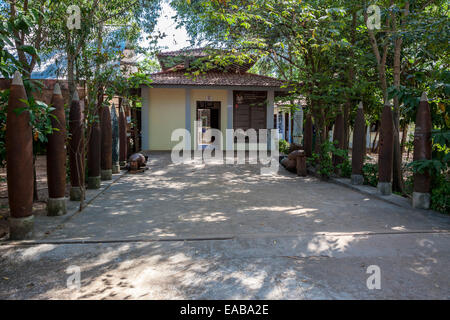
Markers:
point(39, 207)
point(214, 231)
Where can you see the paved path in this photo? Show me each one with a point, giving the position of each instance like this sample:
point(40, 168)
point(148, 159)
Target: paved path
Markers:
point(226, 232)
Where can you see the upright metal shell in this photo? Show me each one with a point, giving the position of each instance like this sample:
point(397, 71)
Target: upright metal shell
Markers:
point(115, 135)
point(386, 152)
point(106, 152)
point(338, 136)
point(308, 137)
point(19, 152)
point(56, 148)
point(358, 141)
point(122, 136)
point(76, 145)
point(422, 144)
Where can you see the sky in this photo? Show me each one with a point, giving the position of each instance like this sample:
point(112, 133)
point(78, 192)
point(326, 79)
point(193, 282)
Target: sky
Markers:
point(176, 38)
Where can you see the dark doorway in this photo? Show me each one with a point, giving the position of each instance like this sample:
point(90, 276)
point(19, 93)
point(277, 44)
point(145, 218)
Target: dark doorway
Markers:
point(208, 114)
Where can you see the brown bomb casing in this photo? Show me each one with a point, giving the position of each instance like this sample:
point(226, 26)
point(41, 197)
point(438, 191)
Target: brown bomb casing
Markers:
point(95, 140)
point(106, 146)
point(308, 137)
point(122, 135)
point(358, 142)
point(422, 144)
point(386, 152)
point(338, 135)
point(76, 145)
point(19, 152)
point(56, 148)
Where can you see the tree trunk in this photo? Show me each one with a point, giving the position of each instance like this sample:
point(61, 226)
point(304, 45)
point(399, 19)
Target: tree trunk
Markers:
point(397, 179)
point(70, 74)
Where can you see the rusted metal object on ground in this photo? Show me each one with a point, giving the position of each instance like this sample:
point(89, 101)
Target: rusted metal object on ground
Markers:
point(422, 151)
point(76, 149)
point(386, 151)
point(106, 149)
point(338, 136)
point(19, 159)
point(358, 148)
point(289, 164)
point(137, 163)
point(115, 140)
point(56, 157)
point(308, 136)
point(294, 146)
point(301, 164)
point(123, 144)
point(94, 153)
point(292, 164)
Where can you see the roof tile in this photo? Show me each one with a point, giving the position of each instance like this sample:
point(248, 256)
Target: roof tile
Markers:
point(214, 79)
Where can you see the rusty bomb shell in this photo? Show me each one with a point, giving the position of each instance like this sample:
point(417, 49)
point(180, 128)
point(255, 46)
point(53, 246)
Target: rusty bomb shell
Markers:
point(76, 149)
point(106, 149)
point(115, 135)
point(358, 141)
point(56, 147)
point(422, 143)
point(122, 136)
point(338, 135)
point(386, 152)
point(19, 152)
point(94, 149)
point(308, 138)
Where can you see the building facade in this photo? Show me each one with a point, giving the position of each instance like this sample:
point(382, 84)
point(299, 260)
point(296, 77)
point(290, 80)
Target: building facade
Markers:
point(230, 98)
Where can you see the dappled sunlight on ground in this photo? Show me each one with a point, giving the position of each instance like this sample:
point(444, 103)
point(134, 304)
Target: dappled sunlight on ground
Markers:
point(226, 232)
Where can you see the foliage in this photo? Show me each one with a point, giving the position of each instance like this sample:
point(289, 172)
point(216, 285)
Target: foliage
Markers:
point(440, 194)
point(324, 160)
point(438, 168)
point(370, 174)
point(283, 146)
point(326, 53)
point(345, 168)
point(40, 120)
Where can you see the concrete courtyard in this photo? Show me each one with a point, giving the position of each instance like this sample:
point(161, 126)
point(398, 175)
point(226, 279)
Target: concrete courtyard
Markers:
point(215, 231)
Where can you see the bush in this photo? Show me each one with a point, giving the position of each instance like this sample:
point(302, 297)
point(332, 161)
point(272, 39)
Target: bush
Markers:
point(370, 174)
point(346, 168)
point(440, 195)
point(438, 168)
point(283, 146)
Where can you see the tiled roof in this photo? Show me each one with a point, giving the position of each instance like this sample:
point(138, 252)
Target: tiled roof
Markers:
point(214, 79)
point(197, 52)
point(177, 60)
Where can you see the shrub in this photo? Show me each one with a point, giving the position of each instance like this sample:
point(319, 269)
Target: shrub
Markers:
point(440, 195)
point(283, 146)
point(346, 168)
point(370, 174)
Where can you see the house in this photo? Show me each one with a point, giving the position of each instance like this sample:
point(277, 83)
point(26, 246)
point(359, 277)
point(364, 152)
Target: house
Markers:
point(219, 98)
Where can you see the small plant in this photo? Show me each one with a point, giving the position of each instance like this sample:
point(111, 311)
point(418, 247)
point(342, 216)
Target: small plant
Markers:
point(440, 195)
point(283, 146)
point(370, 174)
point(346, 168)
point(325, 162)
